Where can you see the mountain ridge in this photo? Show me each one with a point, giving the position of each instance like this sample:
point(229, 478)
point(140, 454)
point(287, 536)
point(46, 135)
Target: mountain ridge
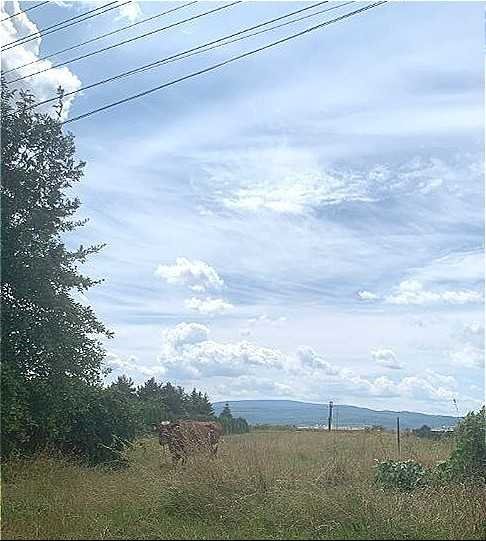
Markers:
point(295, 412)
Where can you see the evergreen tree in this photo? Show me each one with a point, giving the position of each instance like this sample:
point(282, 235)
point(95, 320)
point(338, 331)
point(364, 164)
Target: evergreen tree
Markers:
point(124, 386)
point(226, 412)
point(152, 403)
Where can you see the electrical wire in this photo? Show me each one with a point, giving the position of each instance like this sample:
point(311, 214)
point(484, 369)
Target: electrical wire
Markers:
point(87, 55)
point(96, 38)
point(221, 64)
point(24, 11)
point(58, 26)
point(202, 48)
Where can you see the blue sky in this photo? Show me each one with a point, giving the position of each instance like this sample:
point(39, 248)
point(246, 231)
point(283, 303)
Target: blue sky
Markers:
point(307, 223)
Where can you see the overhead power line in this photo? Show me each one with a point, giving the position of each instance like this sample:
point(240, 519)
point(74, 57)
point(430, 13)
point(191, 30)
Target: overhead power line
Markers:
point(224, 63)
point(24, 11)
point(61, 25)
point(205, 47)
point(107, 34)
point(124, 42)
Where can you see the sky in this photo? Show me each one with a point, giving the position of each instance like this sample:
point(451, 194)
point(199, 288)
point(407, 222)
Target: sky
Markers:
point(306, 223)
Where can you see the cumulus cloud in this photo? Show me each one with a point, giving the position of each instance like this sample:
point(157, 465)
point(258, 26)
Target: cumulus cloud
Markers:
point(364, 295)
point(45, 84)
point(413, 292)
point(130, 365)
point(386, 358)
point(131, 11)
point(187, 352)
point(310, 359)
point(251, 386)
point(184, 334)
point(208, 306)
point(469, 351)
point(428, 386)
point(469, 356)
point(196, 275)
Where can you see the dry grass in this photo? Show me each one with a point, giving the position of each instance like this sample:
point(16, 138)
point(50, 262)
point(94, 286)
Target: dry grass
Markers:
point(275, 485)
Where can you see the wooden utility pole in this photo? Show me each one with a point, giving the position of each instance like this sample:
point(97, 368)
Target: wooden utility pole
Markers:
point(329, 421)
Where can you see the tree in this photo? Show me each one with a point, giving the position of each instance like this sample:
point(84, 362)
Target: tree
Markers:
point(51, 345)
point(124, 386)
point(152, 403)
point(198, 406)
point(232, 425)
point(175, 401)
point(226, 412)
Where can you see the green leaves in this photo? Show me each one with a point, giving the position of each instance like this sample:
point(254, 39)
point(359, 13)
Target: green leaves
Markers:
point(51, 346)
point(403, 475)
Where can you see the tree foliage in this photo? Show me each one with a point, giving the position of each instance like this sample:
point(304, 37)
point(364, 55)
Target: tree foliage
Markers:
point(468, 460)
point(51, 345)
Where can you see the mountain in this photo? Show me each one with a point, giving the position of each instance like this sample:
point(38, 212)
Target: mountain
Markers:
point(291, 412)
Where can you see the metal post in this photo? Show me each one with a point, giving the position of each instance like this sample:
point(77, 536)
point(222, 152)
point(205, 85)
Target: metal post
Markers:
point(329, 422)
point(398, 436)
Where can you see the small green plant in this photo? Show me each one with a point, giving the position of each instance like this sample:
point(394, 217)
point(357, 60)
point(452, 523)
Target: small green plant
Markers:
point(401, 474)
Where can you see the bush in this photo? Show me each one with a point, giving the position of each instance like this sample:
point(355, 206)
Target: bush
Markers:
point(468, 460)
point(401, 474)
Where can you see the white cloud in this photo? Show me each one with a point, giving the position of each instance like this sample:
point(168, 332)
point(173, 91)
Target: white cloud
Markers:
point(413, 292)
point(469, 356)
point(283, 181)
point(196, 275)
point(131, 11)
point(364, 295)
point(386, 358)
point(184, 334)
point(429, 386)
point(45, 84)
point(469, 351)
point(187, 352)
point(290, 180)
point(208, 306)
point(310, 359)
point(251, 386)
point(130, 366)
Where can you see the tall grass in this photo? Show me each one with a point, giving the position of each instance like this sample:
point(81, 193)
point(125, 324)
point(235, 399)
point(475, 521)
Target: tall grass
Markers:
point(264, 485)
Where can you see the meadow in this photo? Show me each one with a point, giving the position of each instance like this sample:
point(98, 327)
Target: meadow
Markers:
point(263, 485)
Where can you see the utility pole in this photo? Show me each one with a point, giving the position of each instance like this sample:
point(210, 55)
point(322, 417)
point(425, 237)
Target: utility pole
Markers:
point(329, 421)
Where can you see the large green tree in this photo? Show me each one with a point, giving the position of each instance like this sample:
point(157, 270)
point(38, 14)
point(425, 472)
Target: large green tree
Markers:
point(51, 347)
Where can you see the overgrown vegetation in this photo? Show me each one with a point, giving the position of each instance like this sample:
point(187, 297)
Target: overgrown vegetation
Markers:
point(263, 485)
point(467, 462)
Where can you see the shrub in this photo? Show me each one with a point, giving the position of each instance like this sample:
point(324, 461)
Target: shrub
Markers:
point(401, 474)
point(468, 460)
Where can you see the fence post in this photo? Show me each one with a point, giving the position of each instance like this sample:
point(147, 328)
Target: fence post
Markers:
point(398, 436)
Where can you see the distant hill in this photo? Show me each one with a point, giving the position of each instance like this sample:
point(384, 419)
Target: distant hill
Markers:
point(291, 412)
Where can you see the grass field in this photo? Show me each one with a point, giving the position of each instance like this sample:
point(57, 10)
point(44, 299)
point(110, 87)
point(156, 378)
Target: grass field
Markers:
point(269, 485)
